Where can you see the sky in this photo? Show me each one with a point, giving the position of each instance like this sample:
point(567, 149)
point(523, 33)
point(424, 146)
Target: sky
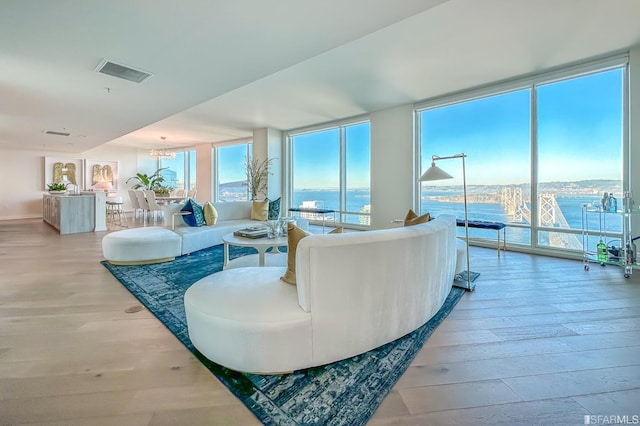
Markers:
point(579, 134)
point(316, 158)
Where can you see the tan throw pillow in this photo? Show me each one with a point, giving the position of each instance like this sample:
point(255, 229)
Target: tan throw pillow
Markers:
point(337, 230)
point(210, 214)
point(416, 220)
point(421, 219)
point(294, 234)
point(260, 210)
point(409, 217)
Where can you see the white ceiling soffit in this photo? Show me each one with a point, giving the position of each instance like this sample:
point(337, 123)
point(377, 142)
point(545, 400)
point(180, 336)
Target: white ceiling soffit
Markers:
point(196, 50)
point(223, 68)
point(459, 44)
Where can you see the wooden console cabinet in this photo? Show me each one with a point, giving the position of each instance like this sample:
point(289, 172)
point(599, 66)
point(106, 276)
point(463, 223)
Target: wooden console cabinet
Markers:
point(71, 214)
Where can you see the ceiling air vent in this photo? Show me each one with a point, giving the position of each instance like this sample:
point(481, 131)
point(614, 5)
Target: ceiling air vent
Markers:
point(52, 132)
point(122, 71)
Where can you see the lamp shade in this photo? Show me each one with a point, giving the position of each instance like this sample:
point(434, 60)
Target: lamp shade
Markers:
point(434, 173)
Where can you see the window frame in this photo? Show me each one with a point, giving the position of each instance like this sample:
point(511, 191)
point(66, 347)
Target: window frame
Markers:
point(215, 165)
point(187, 153)
point(532, 82)
point(341, 126)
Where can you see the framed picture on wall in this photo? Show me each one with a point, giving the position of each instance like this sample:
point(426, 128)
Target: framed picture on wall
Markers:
point(63, 170)
point(101, 175)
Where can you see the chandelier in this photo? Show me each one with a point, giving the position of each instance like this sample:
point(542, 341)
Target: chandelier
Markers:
point(162, 153)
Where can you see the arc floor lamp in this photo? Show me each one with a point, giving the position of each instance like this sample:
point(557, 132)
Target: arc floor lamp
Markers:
point(436, 173)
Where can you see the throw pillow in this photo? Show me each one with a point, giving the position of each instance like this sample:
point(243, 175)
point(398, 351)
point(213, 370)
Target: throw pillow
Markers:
point(274, 209)
point(260, 210)
point(413, 219)
point(409, 217)
point(210, 213)
point(294, 235)
point(337, 230)
point(196, 218)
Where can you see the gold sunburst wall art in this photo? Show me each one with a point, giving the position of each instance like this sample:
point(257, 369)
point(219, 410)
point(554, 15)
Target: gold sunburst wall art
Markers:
point(63, 170)
point(101, 175)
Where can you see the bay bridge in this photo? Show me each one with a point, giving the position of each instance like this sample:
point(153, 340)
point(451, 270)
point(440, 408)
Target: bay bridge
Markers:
point(549, 215)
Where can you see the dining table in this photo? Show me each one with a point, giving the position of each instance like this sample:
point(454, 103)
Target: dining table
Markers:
point(167, 200)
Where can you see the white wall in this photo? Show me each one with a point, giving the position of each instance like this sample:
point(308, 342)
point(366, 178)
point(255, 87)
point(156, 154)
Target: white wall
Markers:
point(267, 143)
point(22, 176)
point(393, 179)
point(204, 173)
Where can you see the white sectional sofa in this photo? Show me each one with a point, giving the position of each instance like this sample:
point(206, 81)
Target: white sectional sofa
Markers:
point(231, 217)
point(158, 244)
point(355, 292)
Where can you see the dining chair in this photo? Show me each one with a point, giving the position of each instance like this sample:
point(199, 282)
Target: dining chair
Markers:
point(191, 193)
point(180, 193)
point(134, 203)
point(152, 203)
point(144, 206)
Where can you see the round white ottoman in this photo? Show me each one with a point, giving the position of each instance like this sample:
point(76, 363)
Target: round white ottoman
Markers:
point(137, 246)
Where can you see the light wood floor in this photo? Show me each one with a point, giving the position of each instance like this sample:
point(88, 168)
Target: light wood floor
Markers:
point(540, 341)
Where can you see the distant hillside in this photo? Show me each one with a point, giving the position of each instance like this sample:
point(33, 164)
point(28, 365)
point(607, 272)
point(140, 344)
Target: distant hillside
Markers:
point(235, 184)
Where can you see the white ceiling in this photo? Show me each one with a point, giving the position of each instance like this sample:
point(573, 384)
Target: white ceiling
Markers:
point(225, 67)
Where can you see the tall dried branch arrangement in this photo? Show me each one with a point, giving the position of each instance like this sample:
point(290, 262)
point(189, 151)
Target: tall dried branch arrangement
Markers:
point(257, 175)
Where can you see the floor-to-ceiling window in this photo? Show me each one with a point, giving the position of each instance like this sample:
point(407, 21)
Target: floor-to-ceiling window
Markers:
point(330, 169)
point(579, 145)
point(494, 132)
point(537, 151)
point(180, 172)
point(230, 178)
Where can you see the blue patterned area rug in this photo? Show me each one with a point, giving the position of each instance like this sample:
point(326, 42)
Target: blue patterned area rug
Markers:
point(343, 393)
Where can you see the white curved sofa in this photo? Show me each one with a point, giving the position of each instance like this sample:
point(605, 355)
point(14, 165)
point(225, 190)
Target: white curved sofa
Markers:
point(355, 292)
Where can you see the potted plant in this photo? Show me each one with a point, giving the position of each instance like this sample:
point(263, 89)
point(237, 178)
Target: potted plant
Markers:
point(56, 188)
point(162, 190)
point(257, 175)
point(144, 181)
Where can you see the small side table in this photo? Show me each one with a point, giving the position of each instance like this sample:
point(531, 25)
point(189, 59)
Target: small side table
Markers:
point(260, 244)
point(320, 212)
point(115, 212)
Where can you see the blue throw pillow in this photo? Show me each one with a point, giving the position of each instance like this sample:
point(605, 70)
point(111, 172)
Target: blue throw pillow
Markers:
point(196, 218)
point(274, 209)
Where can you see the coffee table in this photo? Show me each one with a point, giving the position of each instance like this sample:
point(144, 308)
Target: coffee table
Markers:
point(260, 244)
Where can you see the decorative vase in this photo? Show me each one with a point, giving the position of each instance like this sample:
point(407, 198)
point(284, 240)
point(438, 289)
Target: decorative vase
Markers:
point(273, 228)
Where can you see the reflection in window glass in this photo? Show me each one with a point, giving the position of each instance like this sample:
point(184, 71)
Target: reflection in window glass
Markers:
point(180, 172)
point(174, 175)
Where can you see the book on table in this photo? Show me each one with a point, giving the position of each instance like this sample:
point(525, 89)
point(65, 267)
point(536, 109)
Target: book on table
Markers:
point(253, 232)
